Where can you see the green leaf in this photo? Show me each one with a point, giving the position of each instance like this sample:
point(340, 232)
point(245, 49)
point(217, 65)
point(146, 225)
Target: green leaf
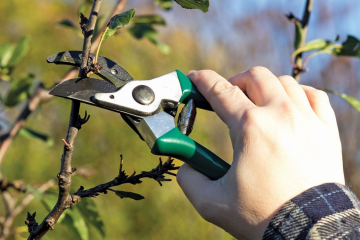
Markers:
point(19, 89)
point(29, 133)
point(203, 5)
point(89, 210)
point(315, 45)
point(150, 19)
point(298, 34)
point(351, 47)
point(142, 30)
point(350, 100)
point(20, 50)
point(76, 224)
point(67, 23)
point(164, 4)
point(123, 194)
point(6, 51)
point(118, 21)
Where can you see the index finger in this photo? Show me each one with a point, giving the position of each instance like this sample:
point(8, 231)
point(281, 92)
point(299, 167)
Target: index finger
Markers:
point(227, 100)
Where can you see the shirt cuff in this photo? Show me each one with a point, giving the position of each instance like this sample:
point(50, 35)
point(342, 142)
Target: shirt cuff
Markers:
point(328, 211)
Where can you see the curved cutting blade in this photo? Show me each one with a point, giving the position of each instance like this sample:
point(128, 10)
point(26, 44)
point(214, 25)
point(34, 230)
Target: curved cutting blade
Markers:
point(83, 89)
point(110, 71)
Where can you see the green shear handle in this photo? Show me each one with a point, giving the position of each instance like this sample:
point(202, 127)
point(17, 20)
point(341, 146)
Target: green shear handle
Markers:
point(180, 146)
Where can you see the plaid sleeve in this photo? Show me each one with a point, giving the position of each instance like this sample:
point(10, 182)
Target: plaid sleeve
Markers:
point(328, 211)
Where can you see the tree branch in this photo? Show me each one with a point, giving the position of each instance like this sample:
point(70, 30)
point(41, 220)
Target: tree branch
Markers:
point(156, 174)
point(42, 95)
point(64, 199)
point(14, 211)
point(296, 72)
point(18, 185)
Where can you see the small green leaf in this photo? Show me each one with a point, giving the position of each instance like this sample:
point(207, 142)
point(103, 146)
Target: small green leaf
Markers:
point(350, 100)
point(90, 211)
point(67, 23)
point(351, 47)
point(203, 5)
point(20, 50)
point(19, 89)
point(149, 19)
point(298, 34)
point(76, 224)
point(315, 45)
point(164, 4)
point(142, 30)
point(118, 21)
point(29, 133)
point(6, 51)
point(123, 194)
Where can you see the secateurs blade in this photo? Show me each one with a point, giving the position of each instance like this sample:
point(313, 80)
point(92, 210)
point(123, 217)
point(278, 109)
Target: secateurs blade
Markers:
point(149, 107)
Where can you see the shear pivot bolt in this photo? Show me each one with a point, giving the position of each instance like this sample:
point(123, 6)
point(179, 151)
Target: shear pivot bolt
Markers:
point(114, 71)
point(143, 95)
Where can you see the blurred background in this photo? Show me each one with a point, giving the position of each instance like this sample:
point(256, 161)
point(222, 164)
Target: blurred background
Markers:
point(232, 37)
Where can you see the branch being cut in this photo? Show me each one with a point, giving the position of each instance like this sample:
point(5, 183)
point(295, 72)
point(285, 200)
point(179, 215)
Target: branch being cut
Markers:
point(156, 174)
point(42, 95)
point(64, 200)
point(296, 72)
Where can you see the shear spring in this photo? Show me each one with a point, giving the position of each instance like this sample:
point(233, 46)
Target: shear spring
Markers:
point(187, 118)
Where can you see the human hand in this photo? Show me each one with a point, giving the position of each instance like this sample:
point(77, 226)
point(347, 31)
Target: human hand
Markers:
point(285, 140)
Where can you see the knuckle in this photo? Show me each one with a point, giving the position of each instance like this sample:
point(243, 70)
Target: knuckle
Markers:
point(250, 117)
point(205, 73)
point(287, 78)
point(258, 70)
point(222, 86)
point(321, 95)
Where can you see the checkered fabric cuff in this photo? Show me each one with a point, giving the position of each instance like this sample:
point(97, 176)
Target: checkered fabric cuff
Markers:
point(328, 211)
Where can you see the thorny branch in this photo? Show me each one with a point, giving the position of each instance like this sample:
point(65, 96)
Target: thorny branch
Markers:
point(64, 200)
point(156, 174)
point(296, 72)
point(42, 95)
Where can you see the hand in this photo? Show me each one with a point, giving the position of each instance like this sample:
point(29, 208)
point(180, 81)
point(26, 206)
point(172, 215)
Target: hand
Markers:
point(285, 140)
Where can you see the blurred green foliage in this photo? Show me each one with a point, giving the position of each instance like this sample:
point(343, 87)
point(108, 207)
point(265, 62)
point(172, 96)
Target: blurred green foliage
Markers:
point(165, 213)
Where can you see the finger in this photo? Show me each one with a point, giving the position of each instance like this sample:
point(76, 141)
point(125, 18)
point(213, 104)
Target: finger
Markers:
point(227, 101)
point(198, 189)
point(260, 85)
point(295, 92)
point(320, 103)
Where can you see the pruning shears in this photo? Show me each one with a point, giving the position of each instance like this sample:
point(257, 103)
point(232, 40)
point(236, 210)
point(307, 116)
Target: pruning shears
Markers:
point(149, 107)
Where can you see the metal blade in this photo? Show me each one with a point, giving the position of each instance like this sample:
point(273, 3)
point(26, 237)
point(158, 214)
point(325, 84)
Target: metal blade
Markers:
point(83, 89)
point(110, 71)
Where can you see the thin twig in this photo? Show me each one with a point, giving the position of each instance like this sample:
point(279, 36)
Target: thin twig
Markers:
point(296, 72)
point(6, 140)
point(118, 9)
point(156, 174)
point(18, 185)
point(64, 199)
point(12, 213)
